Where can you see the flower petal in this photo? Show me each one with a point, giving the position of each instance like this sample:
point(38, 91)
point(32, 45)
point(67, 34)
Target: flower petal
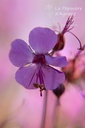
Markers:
point(42, 40)
point(59, 61)
point(26, 76)
point(52, 77)
point(20, 53)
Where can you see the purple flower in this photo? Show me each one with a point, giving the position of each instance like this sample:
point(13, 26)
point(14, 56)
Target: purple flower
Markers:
point(35, 63)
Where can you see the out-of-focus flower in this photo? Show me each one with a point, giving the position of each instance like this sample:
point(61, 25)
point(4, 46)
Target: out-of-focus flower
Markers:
point(35, 66)
point(70, 71)
point(75, 70)
point(83, 94)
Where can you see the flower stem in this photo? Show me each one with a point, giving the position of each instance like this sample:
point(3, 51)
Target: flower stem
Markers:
point(44, 110)
point(56, 114)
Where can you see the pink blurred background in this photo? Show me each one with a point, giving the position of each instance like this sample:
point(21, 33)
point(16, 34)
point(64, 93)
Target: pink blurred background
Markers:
point(23, 108)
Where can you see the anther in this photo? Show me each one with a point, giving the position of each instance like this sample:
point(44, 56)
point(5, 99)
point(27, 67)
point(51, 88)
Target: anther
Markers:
point(35, 85)
point(41, 86)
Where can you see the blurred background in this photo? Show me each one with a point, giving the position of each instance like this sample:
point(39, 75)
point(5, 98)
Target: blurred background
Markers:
point(21, 108)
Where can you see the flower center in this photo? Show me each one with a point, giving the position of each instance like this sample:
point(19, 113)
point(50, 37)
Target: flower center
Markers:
point(40, 58)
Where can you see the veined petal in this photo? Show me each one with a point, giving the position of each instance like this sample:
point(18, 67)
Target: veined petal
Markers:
point(26, 76)
point(42, 40)
point(59, 61)
point(20, 53)
point(52, 77)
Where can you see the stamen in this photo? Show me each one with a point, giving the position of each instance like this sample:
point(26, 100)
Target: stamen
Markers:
point(39, 80)
point(41, 86)
point(36, 85)
point(41, 77)
point(33, 76)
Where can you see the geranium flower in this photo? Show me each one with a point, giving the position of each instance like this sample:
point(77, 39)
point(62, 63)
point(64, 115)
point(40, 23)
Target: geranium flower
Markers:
point(35, 63)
